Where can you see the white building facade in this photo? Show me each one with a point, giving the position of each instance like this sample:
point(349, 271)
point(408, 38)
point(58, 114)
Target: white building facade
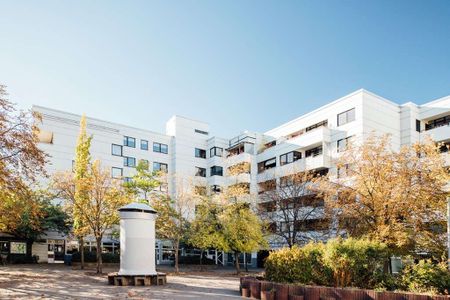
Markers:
point(187, 149)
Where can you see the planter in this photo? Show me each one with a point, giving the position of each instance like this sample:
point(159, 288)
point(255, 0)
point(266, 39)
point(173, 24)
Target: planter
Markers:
point(255, 289)
point(267, 295)
point(296, 297)
point(245, 292)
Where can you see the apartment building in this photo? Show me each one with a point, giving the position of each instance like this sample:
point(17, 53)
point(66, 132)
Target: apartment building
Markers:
point(188, 150)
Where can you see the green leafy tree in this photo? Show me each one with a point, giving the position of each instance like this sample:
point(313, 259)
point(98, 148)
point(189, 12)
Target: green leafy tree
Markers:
point(81, 169)
point(242, 230)
point(144, 183)
point(206, 229)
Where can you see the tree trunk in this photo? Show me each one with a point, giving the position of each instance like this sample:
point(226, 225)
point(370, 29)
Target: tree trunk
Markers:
point(99, 255)
point(82, 252)
point(201, 256)
point(177, 245)
point(236, 262)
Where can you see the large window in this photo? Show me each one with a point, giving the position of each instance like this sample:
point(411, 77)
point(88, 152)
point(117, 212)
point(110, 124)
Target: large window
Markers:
point(201, 153)
point(290, 157)
point(200, 172)
point(346, 117)
point(317, 125)
point(216, 171)
point(216, 151)
point(129, 161)
point(438, 122)
point(314, 151)
point(343, 143)
point(144, 145)
point(129, 141)
point(116, 150)
point(157, 166)
point(116, 172)
point(160, 148)
point(268, 164)
point(418, 125)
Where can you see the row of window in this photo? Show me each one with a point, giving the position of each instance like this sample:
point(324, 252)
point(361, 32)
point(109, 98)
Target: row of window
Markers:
point(215, 171)
point(131, 162)
point(131, 142)
point(214, 151)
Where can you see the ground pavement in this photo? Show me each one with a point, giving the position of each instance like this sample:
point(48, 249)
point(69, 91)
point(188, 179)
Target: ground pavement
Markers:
point(62, 282)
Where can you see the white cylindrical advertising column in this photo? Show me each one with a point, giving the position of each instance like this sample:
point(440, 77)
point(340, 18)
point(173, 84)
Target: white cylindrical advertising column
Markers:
point(137, 239)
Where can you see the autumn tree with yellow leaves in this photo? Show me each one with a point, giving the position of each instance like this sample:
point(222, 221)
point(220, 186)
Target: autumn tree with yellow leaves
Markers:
point(396, 197)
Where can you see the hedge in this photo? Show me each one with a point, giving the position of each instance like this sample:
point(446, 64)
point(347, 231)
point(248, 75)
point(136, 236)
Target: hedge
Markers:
point(91, 256)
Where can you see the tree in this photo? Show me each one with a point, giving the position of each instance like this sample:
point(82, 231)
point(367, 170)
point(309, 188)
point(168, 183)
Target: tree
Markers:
point(241, 230)
point(387, 195)
point(174, 214)
point(81, 169)
point(27, 215)
point(21, 160)
point(290, 208)
point(98, 208)
point(206, 228)
point(144, 182)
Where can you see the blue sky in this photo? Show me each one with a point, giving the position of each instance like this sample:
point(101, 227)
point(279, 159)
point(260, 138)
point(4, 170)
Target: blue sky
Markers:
point(235, 64)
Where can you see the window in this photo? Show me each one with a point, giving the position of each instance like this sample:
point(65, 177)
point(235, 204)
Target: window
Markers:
point(161, 148)
point(144, 145)
point(268, 164)
point(116, 150)
point(116, 172)
point(418, 125)
point(313, 152)
point(200, 172)
point(317, 125)
point(215, 151)
point(290, 157)
point(216, 189)
point(129, 161)
point(346, 117)
point(127, 179)
point(438, 122)
point(342, 144)
point(157, 166)
point(216, 171)
point(201, 153)
point(129, 141)
point(201, 131)
point(445, 147)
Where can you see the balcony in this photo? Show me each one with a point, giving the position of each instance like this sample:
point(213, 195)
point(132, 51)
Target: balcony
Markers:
point(316, 136)
point(440, 133)
point(308, 163)
point(239, 158)
point(240, 178)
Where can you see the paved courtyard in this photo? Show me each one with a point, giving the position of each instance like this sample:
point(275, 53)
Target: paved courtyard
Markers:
point(62, 282)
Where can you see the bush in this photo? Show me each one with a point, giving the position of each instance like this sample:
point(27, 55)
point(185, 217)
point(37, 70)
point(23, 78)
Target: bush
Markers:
point(350, 262)
point(426, 276)
point(356, 262)
point(298, 265)
point(91, 256)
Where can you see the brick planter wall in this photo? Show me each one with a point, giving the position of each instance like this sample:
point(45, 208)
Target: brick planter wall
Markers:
point(296, 292)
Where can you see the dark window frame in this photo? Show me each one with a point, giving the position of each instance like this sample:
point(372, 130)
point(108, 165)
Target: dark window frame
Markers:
point(112, 149)
point(126, 161)
point(284, 158)
point(216, 171)
point(200, 172)
point(127, 139)
point(144, 142)
point(200, 153)
point(265, 165)
point(350, 116)
point(213, 152)
point(313, 152)
point(159, 148)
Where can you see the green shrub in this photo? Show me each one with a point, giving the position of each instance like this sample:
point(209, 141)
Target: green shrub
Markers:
point(426, 276)
point(91, 256)
point(356, 262)
point(339, 262)
point(298, 265)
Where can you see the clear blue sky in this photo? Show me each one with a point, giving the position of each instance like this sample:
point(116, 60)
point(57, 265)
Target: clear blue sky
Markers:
point(235, 64)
